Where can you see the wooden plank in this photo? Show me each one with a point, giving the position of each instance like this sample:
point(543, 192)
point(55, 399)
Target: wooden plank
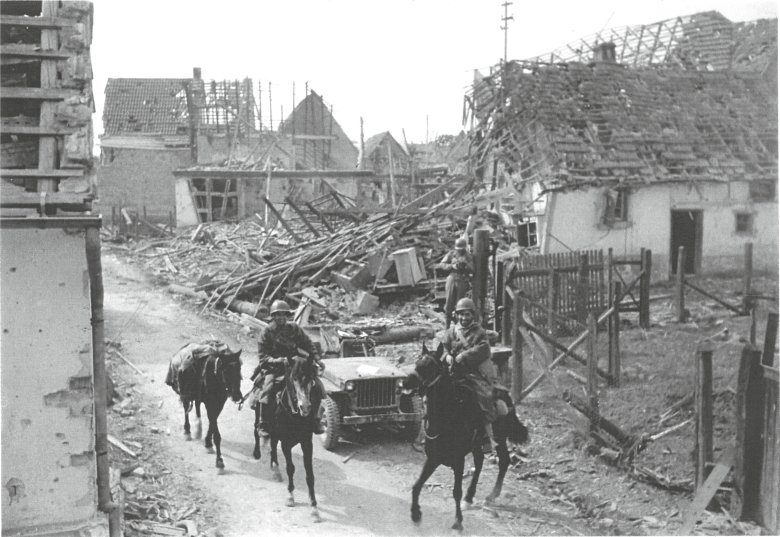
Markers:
point(38, 22)
point(278, 216)
point(23, 51)
point(302, 216)
point(706, 492)
point(704, 411)
point(33, 130)
point(32, 173)
point(47, 145)
point(679, 302)
point(713, 297)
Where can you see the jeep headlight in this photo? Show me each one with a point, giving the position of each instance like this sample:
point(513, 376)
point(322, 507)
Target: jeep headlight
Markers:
point(349, 386)
point(399, 382)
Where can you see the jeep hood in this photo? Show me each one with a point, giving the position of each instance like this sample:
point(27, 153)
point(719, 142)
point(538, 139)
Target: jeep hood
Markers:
point(338, 370)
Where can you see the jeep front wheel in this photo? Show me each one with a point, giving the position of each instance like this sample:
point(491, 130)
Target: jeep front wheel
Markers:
point(330, 417)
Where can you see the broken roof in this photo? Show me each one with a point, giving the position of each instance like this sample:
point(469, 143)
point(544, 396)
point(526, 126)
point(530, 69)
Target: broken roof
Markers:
point(572, 124)
point(145, 106)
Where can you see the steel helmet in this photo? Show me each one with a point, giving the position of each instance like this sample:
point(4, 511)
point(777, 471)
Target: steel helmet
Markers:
point(465, 304)
point(461, 243)
point(280, 306)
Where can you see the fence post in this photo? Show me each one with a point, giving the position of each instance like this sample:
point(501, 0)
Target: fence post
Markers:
point(498, 306)
point(770, 338)
point(552, 306)
point(481, 237)
point(135, 225)
point(517, 349)
point(644, 289)
point(506, 319)
point(746, 298)
point(679, 302)
point(703, 447)
point(582, 288)
point(614, 336)
point(610, 262)
point(593, 379)
point(753, 320)
point(750, 424)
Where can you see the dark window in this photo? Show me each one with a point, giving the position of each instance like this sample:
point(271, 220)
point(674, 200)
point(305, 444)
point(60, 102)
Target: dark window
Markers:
point(526, 234)
point(763, 190)
point(744, 223)
point(616, 208)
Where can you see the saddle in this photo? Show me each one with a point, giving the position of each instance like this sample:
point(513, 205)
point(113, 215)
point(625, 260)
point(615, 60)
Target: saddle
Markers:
point(186, 367)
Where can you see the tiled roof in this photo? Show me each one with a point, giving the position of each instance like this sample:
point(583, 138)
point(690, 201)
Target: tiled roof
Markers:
point(572, 124)
point(145, 106)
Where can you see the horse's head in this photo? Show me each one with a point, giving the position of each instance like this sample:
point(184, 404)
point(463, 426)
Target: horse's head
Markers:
point(301, 374)
point(227, 368)
point(428, 369)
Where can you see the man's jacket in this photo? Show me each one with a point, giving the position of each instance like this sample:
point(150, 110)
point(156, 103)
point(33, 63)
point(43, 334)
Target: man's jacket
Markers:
point(283, 342)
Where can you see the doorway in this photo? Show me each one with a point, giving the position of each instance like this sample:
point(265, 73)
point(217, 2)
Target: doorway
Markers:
point(687, 232)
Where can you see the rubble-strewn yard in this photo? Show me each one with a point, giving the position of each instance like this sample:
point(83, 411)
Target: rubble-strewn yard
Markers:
point(560, 483)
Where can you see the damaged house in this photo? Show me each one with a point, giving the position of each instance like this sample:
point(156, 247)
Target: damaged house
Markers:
point(665, 137)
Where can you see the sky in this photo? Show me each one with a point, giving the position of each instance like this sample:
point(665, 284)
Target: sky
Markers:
point(401, 65)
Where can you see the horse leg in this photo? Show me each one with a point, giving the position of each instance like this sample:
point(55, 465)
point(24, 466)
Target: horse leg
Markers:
point(457, 491)
point(256, 452)
point(187, 435)
point(287, 450)
point(275, 459)
point(198, 425)
point(479, 459)
point(503, 465)
point(208, 442)
point(214, 409)
point(307, 449)
point(427, 469)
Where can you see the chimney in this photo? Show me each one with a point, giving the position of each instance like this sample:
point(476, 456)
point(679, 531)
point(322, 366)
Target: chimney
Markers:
point(604, 53)
point(196, 72)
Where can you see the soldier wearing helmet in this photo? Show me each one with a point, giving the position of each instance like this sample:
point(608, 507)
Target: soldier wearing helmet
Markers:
point(460, 264)
point(468, 354)
point(281, 340)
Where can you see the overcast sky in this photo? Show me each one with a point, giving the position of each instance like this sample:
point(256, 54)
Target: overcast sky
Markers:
point(400, 64)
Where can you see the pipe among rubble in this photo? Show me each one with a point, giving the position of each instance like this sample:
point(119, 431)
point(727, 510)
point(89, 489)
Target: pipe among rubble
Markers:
point(95, 270)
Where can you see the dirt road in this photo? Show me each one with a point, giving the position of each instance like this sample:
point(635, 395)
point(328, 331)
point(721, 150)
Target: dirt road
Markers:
point(368, 494)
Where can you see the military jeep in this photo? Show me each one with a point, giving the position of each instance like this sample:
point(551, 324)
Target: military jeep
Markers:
point(366, 390)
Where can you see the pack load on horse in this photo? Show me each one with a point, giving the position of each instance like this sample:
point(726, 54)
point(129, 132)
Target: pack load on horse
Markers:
point(463, 408)
point(208, 372)
point(291, 424)
point(281, 342)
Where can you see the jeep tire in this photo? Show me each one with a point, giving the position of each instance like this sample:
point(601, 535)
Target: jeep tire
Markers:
point(330, 415)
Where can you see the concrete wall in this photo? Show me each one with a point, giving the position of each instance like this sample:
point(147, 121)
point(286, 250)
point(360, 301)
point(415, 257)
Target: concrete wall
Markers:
point(48, 459)
point(573, 221)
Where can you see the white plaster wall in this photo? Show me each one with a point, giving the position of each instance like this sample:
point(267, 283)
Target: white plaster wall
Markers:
point(572, 222)
point(185, 212)
point(47, 397)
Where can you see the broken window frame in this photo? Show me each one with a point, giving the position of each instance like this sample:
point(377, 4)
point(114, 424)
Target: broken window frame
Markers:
point(211, 198)
point(615, 206)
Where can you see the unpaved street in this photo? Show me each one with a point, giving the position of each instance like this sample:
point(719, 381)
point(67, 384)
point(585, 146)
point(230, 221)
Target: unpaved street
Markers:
point(367, 494)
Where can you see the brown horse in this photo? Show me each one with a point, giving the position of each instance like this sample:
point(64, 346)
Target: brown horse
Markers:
point(292, 426)
point(206, 373)
point(453, 429)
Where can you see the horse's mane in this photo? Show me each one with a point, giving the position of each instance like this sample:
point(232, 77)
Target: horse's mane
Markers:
point(302, 369)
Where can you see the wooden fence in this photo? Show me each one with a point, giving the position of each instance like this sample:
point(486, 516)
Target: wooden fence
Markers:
point(562, 289)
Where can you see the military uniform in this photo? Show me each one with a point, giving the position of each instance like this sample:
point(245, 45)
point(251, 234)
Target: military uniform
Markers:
point(471, 346)
point(460, 263)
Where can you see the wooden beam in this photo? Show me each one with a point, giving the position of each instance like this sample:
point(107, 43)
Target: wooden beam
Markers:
point(302, 216)
point(322, 218)
point(63, 173)
point(38, 22)
point(48, 151)
point(313, 137)
point(23, 51)
point(705, 493)
point(45, 94)
point(34, 130)
point(63, 200)
point(278, 215)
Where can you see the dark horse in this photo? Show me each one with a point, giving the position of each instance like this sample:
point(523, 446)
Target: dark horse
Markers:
point(292, 426)
point(453, 429)
point(206, 373)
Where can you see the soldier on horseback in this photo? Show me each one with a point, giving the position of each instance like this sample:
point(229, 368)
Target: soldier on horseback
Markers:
point(282, 340)
point(468, 355)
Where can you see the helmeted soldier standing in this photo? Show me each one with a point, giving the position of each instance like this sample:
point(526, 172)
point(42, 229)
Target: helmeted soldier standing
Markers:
point(460, 263)
point(280, 341)
point(468, 352)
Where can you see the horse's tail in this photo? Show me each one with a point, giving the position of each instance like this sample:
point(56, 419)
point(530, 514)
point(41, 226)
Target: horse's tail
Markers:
point(516, 430)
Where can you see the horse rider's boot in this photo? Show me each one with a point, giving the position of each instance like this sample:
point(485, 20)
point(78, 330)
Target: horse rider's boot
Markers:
point(314, 416)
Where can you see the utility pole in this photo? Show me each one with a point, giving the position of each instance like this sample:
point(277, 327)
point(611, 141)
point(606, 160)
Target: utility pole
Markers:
point(505, 19)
